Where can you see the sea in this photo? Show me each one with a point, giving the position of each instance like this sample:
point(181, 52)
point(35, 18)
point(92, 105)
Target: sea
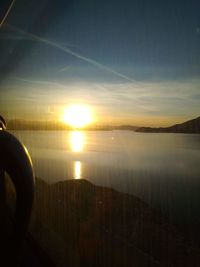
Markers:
point(162, 169)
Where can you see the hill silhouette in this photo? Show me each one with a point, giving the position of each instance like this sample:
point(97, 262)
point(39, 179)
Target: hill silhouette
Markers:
point(32, 125)
point(87, 225)
point(191, 126)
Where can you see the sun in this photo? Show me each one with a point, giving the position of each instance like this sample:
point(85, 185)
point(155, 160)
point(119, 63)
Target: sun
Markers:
point(77, 116)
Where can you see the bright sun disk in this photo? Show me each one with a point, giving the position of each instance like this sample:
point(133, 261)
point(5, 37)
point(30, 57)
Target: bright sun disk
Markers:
point(77, 116)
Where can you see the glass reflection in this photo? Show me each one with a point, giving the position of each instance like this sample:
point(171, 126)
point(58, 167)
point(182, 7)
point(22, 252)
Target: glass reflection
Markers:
point(77, 141)
point(77, 170)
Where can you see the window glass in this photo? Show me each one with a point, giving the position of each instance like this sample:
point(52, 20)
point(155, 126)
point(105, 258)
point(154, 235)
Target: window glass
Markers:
point(105, 97)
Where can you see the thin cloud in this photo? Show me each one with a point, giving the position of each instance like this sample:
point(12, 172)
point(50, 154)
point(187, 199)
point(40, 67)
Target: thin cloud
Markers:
point(20, 79)
point(64, 69)
point(71, 52)
point(24, 38)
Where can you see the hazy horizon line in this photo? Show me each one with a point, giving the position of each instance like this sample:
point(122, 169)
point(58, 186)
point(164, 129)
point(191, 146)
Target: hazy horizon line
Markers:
point(53, 124)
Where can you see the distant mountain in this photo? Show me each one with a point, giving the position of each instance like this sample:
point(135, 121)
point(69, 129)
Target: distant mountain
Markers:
point(191, 126)
point(18, 124)
point(125, 127)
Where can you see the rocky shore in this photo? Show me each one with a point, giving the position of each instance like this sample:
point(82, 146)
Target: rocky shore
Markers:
point(81, 224)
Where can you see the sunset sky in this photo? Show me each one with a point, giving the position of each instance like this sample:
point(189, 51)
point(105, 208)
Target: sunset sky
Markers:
point(135, 62)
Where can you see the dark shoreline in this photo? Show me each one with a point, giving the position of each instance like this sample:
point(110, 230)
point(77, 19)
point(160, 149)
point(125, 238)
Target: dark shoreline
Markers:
point(101, 222)
point(188, 127)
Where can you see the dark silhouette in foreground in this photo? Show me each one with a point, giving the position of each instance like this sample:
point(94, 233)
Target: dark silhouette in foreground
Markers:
point(14, 160)
point(81, 224)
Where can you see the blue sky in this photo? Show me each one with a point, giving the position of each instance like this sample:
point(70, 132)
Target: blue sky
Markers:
point(134, 62)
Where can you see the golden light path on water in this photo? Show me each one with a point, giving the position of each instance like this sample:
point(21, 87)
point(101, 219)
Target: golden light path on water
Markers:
point(77, 140)
point(77, 170)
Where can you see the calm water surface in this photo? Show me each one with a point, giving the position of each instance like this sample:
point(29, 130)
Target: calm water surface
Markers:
point(162, 169)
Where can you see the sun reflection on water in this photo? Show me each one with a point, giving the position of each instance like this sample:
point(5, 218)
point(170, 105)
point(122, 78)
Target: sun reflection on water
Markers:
point(77, 141)
point(77, 170)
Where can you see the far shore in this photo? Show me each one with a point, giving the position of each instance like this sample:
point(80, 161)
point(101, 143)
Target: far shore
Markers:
point(191, 126)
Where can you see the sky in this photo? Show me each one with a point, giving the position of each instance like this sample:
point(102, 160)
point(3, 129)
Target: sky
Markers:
point(132, 62)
